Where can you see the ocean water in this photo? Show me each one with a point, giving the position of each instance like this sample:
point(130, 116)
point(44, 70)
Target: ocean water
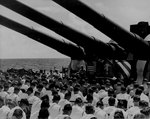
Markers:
point(35, 64)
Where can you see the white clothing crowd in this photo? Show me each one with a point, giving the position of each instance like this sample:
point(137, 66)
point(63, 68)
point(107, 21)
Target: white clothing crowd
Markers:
point(53, 97)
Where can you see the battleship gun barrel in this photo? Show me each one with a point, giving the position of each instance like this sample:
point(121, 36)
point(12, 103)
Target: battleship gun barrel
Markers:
point(124, 38)
point(91, 45)
point(66, 48)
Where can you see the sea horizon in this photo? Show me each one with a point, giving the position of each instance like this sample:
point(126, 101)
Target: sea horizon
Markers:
point(34, 63)
point(36, 58)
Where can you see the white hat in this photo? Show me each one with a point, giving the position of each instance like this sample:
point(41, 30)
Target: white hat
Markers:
point(147, 38)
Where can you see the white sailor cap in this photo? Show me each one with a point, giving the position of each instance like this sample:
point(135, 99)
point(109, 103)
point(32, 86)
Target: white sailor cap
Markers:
point(147, 38)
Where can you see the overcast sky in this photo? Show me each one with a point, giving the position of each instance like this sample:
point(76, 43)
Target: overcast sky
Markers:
point(15, 45)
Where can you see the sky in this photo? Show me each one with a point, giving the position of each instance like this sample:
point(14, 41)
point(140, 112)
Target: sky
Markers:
point(16, 45)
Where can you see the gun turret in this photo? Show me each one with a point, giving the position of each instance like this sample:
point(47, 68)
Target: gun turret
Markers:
point(124, 38)
point(142, 29)
point(91, 45)
point(64, 47)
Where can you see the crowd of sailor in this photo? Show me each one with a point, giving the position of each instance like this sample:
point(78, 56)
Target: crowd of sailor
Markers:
point(55, 97)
